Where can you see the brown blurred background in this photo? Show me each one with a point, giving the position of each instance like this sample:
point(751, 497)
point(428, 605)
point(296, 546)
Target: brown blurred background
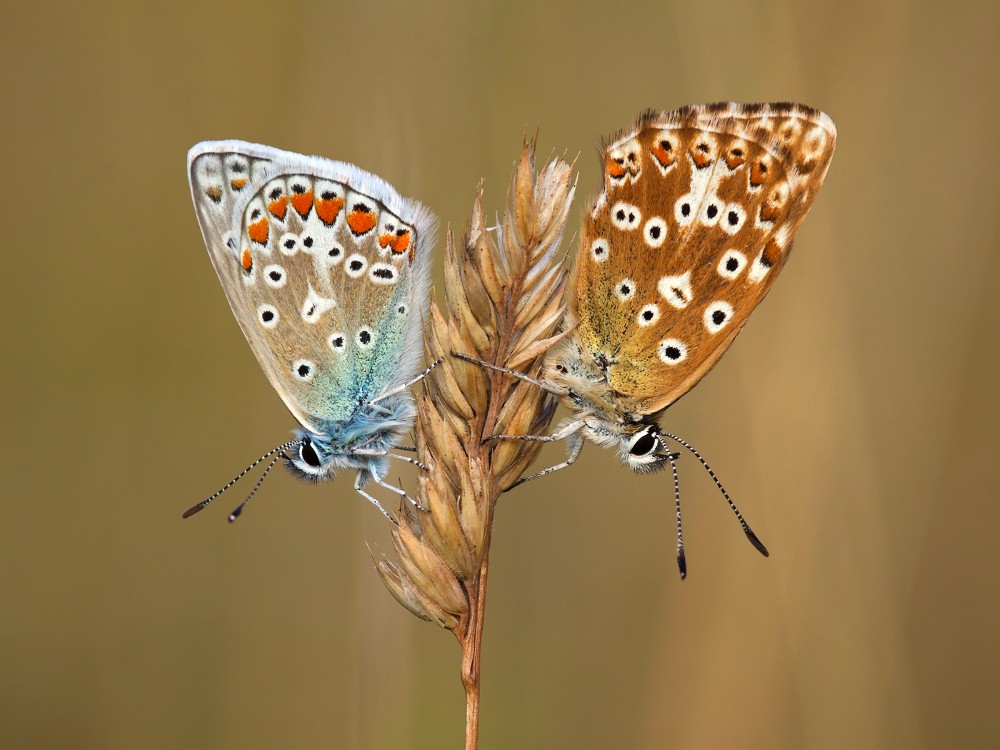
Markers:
point(855, 421)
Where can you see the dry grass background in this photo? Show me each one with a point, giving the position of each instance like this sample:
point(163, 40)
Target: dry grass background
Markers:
point(854, 420)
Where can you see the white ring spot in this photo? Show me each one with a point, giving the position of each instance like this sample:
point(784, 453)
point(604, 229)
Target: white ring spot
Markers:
point(303, 369)
point(275, 276)
point(267, 315)
point(334, 254)
point(355, 265)
point(383, 273)
point(655, 232)
point(676, 290)
point(711, 211)
point(625, 289)
point(672, 351)
point(733, 218)
point(684, 210)
point(289, 243)
point(732, 264)
point(717, 316)
point(337, 342)
point(599, 250)
point(365, 338)
point(625, 216)
point(648, 315)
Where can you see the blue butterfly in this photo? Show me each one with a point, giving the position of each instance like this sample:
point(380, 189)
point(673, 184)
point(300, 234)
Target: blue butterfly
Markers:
point(326, 268)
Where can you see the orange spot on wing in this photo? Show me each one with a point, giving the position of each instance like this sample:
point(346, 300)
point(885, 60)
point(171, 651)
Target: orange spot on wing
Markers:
point(769, 211)
point(361, 221)
point(327, 210)
point(701, 159)
point(401, 243)
point(734, 159)
point(771, 253)
point(758, 174)
point(246, 261)
point(278, 207)
point(302, 202)
point(662, 155)
point(614, 169)
point(258, 231)
point(239, 183)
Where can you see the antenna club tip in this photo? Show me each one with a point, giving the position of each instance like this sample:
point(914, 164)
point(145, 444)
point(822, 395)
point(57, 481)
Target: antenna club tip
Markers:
point(757, 543)
point(682, 564)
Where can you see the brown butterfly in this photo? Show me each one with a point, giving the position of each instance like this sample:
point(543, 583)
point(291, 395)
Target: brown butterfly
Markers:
point(695, 221)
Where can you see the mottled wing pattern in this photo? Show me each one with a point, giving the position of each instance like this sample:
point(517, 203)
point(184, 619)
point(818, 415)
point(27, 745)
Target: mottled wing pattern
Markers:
point(324, 267)
point(696, 218)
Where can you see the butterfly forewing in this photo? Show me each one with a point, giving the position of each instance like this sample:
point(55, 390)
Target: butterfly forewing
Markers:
point(696, 219)
point(320, 275)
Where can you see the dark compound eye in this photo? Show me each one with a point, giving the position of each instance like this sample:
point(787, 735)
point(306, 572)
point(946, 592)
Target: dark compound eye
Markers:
point(308, 454)
point(645, 445)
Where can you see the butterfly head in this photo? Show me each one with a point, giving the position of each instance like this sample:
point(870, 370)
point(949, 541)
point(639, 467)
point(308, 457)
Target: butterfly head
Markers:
point(314, 458)
point(310, 459)
point(644, 451)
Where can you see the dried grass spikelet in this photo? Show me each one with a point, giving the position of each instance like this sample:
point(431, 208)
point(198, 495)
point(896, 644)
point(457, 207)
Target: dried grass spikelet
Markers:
point(504, 291)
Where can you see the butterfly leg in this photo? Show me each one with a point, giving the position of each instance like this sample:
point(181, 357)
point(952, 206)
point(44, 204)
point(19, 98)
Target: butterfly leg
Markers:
point(359, 483)
point(569, 431)
point(576, 442)
point(402, 493)
point(543, 384)
point(415, 462)
point(412, 381)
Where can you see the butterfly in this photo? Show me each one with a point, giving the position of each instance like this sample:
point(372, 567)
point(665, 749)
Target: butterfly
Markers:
point(695, 220)
point(326, 268)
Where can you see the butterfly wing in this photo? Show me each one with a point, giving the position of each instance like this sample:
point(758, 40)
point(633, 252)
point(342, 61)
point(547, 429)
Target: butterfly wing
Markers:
point(325, 269)
point(695, 221)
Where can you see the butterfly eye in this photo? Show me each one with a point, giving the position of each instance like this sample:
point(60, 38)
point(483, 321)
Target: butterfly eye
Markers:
point(308, 454)
point(643, 444)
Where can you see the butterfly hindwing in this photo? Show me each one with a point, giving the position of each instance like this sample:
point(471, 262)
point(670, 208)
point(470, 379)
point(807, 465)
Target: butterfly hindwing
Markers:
point(695, 221)
point(325, 270)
